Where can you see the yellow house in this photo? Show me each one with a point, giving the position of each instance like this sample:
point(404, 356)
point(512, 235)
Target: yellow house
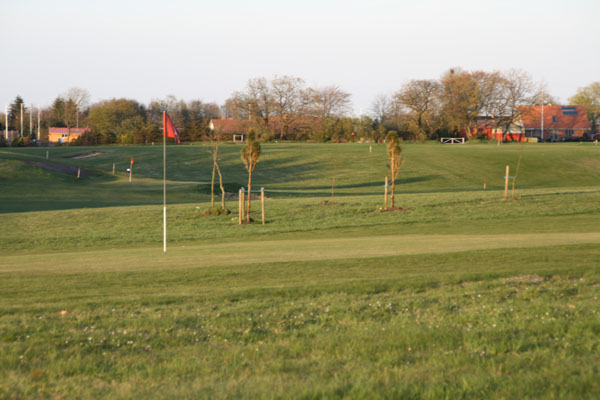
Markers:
point(65, 135)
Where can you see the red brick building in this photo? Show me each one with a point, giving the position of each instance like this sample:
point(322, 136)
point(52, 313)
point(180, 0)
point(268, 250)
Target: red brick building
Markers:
point(560, 122)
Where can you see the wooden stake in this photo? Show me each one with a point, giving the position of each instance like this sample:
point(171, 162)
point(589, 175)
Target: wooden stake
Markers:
point(78, 172)
point(47, 154)
point(113, 169)
point(506, 183)
point(484, 184)
point(243, 204)
point(385, 196)
point(262, 203)
point(240, 202)
point(130, 171)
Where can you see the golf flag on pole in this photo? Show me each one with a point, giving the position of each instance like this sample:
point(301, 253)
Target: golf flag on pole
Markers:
point(169, 129)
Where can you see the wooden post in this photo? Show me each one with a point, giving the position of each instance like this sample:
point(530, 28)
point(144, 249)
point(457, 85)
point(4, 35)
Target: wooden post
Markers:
point(243, 204)
point(385, 196)
point(484, 184)
point(47, 154)
point(78, 172)
point(262, 203)
point(113, 169)
point(130, 171)
point(240, 206)
point(370, 148)
point(506, 183)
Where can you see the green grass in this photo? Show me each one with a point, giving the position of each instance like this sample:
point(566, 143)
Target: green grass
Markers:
point(459, 295)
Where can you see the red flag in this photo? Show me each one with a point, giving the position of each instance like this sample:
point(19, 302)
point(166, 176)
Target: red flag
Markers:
point(131, 160)
point(169, 129)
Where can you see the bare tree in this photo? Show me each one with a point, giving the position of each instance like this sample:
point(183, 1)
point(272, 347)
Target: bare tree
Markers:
point(515, 89)
point(420, 97)
point(329, 101)
point(254, 103)
point(214, 152)
point(79, 99)
point(379, 107)
point(289, 101)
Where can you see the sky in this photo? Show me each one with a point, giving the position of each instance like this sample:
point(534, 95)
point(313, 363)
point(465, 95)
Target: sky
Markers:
point(147, 49)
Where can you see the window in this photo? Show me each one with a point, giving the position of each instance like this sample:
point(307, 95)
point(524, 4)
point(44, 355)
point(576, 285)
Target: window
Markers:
point(554, 119)
point(569, 132)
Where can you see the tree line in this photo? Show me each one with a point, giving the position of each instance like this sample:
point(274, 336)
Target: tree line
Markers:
point(284, 107)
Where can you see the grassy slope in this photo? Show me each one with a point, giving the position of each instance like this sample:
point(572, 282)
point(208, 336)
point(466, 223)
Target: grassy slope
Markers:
point(297, 307)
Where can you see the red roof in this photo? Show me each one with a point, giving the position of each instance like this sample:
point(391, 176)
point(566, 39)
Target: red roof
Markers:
point(555, 117)
point(73, 131)
point(229, 126)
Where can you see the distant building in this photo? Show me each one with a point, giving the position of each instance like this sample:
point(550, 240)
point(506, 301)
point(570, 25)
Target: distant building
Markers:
point(65, 135)
point(560, 122)
point(230, 128)
point(487, 126)
point(237, 129)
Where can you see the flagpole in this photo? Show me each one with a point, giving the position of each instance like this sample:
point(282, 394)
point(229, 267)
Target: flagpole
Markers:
point(164, 183)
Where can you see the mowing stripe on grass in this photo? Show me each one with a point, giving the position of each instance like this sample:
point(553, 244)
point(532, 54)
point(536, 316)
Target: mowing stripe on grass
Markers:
point(237, 253)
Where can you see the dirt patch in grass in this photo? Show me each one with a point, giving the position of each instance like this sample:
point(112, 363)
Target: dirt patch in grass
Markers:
point(63, 169)
point(525, 278)
point(87, 154)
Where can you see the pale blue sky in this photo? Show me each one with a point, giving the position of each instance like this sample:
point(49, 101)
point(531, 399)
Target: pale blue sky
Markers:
point(208, 49)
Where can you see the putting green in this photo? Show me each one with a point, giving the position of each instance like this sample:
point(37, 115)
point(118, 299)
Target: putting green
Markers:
point(237, 253)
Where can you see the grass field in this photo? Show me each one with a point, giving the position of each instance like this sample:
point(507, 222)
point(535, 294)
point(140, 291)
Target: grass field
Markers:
point(458, 295)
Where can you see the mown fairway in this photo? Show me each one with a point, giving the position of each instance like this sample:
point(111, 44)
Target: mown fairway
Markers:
point(459, 295)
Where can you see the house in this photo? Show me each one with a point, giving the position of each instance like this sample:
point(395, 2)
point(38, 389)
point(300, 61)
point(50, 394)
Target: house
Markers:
point(488, 127)
point(237, 129)
point(65, 135)
point(560, 123)
point(230, 128)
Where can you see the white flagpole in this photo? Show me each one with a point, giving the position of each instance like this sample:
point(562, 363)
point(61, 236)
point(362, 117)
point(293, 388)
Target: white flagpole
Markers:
point(6, 121)
point(39, 135)
point(164, 183)
point(542, 115)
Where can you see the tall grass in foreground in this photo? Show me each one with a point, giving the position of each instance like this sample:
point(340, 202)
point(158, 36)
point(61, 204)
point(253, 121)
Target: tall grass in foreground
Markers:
point(491, 324)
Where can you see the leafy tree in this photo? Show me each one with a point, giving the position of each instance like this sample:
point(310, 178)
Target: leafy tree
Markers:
point(589, 97)
point(57, 113)
point(394, 153)
point(250, 157)
point(460, 98)
point(112, 118)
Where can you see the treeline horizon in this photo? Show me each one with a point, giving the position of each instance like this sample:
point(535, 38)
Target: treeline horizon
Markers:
point(284, 107)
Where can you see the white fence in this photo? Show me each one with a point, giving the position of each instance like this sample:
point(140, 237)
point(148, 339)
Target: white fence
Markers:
point(451, 140)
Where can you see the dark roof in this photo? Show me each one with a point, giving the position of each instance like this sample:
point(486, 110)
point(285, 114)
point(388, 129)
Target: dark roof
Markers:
point(555, 117)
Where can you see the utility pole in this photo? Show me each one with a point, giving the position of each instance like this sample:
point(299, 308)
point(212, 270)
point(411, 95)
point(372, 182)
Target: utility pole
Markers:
point(30, 120)
point(21, 119)
point(6, 121)
point(542, 115)
point(39, 135)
